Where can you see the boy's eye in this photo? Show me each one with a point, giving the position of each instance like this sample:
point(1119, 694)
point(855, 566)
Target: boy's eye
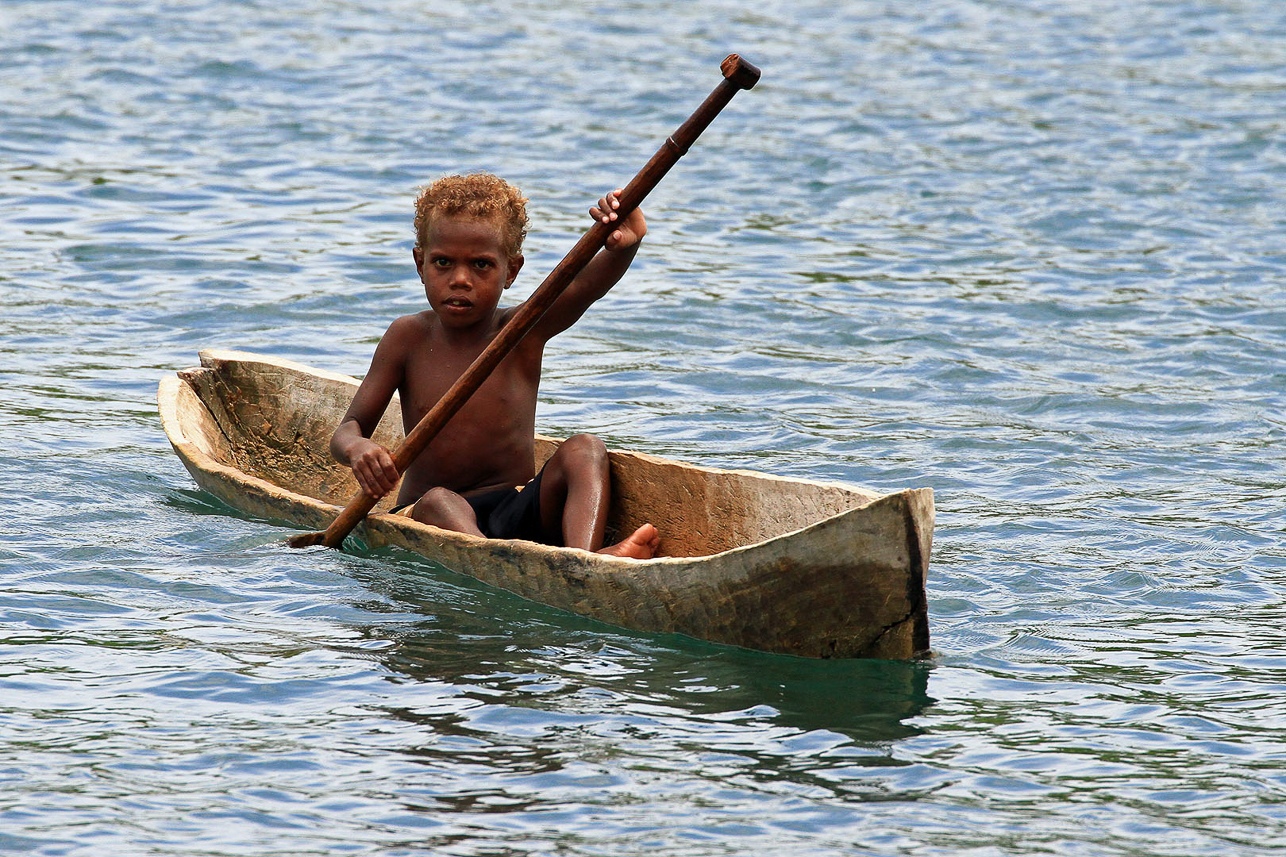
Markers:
point(482, 263)
point(441, 262)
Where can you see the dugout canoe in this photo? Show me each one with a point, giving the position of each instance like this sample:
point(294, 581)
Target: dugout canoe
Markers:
point(764, 562)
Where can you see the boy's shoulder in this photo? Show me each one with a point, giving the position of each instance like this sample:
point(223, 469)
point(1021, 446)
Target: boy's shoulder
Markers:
point(416, 321)
point(413, 327)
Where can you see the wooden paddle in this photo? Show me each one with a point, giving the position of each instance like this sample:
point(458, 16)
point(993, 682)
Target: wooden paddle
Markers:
point(737, 75)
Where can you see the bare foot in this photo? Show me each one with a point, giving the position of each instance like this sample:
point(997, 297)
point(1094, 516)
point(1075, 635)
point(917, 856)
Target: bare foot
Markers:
point(642, 544)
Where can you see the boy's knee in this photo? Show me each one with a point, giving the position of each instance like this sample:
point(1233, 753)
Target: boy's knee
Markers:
point(442, 507)
point(587, 448)
point(435, 503)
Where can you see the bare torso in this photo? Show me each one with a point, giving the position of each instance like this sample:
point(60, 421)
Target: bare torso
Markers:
point(489, 443)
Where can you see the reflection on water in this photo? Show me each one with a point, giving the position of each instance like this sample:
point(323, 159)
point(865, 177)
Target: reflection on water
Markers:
point(543, 655)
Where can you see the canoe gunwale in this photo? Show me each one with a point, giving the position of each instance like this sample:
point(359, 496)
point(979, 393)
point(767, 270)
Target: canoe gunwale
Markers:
point(202, 461)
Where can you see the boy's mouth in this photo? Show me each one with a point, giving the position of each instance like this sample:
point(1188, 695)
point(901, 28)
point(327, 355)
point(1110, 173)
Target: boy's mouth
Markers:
point(459, 303)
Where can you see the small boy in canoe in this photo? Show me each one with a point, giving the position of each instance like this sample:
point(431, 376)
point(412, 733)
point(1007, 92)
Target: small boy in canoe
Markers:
point(477, 475)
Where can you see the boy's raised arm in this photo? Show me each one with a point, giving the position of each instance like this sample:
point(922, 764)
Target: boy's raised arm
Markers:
point(602, 272)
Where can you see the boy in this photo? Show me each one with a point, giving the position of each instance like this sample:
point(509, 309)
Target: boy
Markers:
point(476, 476)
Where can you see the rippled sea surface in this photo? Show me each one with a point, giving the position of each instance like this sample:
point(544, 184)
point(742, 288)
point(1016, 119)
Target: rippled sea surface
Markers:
point(1029, 254)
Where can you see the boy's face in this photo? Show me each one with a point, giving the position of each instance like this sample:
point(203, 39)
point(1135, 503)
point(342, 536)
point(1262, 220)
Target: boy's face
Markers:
point(464, 269)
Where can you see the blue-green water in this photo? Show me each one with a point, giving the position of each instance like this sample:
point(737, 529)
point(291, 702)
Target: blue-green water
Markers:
point(1028, 254)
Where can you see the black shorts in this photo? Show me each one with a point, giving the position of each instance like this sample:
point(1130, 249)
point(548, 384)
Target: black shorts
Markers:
point(506, 513)
point(511, 513)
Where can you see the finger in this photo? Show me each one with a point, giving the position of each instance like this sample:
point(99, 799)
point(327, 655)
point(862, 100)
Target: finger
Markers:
point(368, 487)
point(372, 480)
point(379, 476)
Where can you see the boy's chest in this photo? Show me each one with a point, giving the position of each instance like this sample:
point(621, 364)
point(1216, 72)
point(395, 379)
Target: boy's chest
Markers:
point(510, 389)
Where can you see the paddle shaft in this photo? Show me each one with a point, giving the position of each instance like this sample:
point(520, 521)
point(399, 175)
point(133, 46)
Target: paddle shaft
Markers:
point(737, 75)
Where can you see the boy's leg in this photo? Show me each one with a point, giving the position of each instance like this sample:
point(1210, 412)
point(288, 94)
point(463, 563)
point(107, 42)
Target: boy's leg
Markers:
point(575, 492)
point(446, 509)
point(575, 489)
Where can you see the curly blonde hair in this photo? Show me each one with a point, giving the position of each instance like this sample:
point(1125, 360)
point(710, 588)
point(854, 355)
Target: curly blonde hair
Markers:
point(479, 195)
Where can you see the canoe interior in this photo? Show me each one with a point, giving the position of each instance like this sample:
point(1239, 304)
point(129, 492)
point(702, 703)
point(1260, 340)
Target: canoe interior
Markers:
point(273, 419)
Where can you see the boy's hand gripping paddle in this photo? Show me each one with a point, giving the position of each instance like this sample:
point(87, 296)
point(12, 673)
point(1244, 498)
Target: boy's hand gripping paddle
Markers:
point(737, 75)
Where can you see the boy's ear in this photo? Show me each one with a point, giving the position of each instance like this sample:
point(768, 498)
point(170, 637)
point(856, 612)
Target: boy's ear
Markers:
point(417, 253)
point(515, 265)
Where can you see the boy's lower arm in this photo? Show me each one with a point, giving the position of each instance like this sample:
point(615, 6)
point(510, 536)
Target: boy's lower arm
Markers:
point(608, 266)
point(372, 464)
point(342, 441)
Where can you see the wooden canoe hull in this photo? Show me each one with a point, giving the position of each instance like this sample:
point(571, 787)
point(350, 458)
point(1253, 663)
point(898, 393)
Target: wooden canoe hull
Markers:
point(779, 565)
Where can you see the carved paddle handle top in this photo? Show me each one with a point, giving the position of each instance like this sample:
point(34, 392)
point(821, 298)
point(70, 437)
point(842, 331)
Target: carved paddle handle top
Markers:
point(738, 75)
point(741, 73)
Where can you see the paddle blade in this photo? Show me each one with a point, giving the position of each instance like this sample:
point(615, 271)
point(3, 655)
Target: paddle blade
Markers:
point(306, 540)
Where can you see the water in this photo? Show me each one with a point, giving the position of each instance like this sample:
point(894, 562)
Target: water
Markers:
point(1028, 254)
